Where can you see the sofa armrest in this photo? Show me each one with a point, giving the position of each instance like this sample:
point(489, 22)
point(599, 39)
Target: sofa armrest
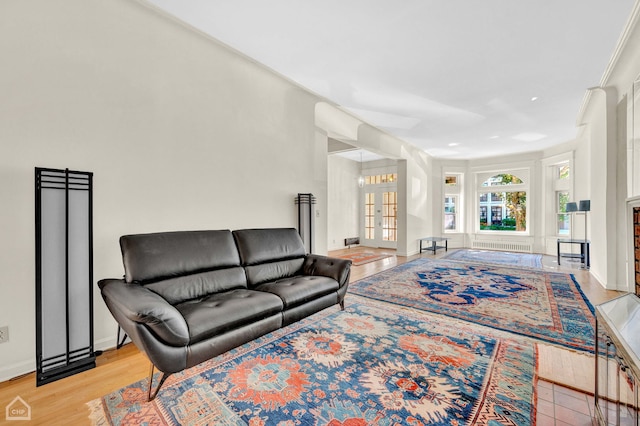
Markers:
point(332, 267)
point(140, 305)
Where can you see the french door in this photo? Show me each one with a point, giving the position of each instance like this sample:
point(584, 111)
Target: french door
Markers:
point(380, 218)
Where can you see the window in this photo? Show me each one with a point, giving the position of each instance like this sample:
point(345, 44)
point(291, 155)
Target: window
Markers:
point(561, 187)
point(452, 219)
point(378, 179)
point(503, 179)
point(564, 224)
point(504, 197)
point(450, 213)
point(564, 171)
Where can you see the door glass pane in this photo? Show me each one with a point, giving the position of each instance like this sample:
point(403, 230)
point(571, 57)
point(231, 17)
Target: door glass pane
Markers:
point(369, 230)
point(389, 217)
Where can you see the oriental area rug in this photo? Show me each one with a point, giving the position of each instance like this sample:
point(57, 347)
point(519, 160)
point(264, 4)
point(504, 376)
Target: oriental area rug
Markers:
point(548, 306)
point(496, 257)
point(362, 257)
point(372, 364)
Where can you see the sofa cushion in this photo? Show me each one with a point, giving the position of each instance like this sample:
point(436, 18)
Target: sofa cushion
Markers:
point(148, 257)
point(271, 271)
point(222, 312)
point(300, 289)
point(267, 245)
point(193, 286)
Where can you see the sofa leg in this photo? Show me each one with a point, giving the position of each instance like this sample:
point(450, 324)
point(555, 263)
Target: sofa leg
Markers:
point(153, 394)
point(342, 304)
point(120, 343)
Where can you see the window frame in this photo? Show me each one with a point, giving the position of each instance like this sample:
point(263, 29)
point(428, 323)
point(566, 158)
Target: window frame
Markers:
point(561, 184)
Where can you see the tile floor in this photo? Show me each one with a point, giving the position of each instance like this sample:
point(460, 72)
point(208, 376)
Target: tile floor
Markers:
point(560, 406)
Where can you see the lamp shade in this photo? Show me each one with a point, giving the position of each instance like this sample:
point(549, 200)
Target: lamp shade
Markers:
point(585, 205)
point(571, 207)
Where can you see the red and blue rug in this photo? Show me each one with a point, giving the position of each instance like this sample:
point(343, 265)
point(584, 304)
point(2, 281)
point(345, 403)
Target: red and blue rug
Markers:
point(371, 364)
point(359, 258)
point(506, 258)
point(548, 306)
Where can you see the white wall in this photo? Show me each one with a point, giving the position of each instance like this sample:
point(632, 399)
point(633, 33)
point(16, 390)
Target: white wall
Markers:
point(419, 192)
point(343, 201)
point(608, 165)
point(179, 131)
point(600, 136)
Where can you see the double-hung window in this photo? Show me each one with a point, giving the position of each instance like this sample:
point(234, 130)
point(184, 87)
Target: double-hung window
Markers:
point(562, 184)
point(452, 202)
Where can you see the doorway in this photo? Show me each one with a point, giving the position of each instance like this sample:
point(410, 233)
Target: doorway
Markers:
point(380, 217)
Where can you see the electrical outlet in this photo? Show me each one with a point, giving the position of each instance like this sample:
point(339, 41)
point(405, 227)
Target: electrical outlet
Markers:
point(4, 334)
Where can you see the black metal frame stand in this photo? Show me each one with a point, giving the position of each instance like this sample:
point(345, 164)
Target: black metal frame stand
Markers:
point(64, 273)
point(305, 204)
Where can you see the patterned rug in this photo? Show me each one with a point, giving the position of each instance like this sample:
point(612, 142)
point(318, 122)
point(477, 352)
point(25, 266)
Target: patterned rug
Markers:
point(548, 306)
point(362, 257)
point(372, 364)
point(496, 257)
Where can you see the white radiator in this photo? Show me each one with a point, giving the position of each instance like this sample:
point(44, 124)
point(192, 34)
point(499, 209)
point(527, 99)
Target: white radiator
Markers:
point(502, 245)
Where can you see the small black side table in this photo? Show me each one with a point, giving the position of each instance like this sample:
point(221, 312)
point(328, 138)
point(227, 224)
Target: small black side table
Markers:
point(434, 244)
point(584, 256)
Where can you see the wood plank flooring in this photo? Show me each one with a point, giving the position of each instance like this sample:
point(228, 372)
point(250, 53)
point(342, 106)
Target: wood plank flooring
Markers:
point(64, 402)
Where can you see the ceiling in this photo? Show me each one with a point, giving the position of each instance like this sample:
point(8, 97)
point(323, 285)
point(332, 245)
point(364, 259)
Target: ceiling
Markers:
point(459, 79)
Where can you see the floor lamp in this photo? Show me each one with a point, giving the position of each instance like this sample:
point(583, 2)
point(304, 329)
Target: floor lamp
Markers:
point(585, 206)
point(571, 208)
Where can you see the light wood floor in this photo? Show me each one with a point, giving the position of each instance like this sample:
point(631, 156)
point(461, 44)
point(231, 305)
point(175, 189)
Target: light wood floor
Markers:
point(64, 402)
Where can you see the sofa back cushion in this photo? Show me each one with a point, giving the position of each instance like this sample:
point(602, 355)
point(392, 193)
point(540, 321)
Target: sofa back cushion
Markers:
point(198, 285)
point(270, 254)
point(151, 257)
point(271, 271)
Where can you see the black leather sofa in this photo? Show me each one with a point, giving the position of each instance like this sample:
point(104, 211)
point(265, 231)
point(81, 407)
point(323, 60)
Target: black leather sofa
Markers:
point(189, 296)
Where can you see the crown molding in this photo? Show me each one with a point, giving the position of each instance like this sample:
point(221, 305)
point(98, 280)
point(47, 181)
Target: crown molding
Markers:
point(622, 43)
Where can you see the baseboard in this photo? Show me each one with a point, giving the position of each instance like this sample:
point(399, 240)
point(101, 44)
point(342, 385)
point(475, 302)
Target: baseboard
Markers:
point(16, 370)
point(105, 344)
point(25, 367)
